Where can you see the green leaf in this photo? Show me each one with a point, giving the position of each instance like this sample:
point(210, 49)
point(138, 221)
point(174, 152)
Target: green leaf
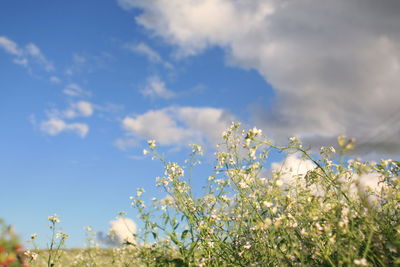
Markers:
point(154, 234)
point(184, 234)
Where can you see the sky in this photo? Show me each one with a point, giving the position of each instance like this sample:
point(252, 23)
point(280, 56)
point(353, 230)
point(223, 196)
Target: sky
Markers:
point(84, 84)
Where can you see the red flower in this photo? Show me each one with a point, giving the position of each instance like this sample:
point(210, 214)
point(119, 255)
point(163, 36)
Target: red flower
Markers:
point(18, 247)
point(10, 259)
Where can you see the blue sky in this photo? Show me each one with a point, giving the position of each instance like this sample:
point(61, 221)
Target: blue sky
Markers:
point(88, 179)
point(84, 84)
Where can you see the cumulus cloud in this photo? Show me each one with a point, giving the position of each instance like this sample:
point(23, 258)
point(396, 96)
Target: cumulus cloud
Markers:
point(25, 55)
point(121, 230)
point(179, 126)
point(293, 169)
point(76, 90)
point(150, 53)
point(56, 123)
point(54, 126)
point(156, 88)
point(335, 65)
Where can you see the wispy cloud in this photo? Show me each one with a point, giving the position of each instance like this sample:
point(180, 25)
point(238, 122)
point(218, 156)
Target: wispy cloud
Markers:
point(125, 143)
point(76, 90)
point(54, 79)
point(54, 126)
point(88, 63)
point(156, 88)
point(10, 46)
point(36, 54)
point(79, 109)
point(27, 55)
point(150, 53)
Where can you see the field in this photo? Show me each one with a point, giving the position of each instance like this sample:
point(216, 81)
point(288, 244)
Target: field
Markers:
point(337, 212)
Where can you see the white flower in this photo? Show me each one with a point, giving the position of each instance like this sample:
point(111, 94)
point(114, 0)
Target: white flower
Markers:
point(53, 219)
point(247, 246)
point(361, 262)
point(62, 235)
point(31, 255)
point(268, 204)
point(152, 144)
point(139, 192)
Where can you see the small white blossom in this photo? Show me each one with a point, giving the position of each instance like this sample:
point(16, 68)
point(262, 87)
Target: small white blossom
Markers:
point(361, 262)
point(53, 219)
point(279, 182)
point(247, 246)
point(152, 144)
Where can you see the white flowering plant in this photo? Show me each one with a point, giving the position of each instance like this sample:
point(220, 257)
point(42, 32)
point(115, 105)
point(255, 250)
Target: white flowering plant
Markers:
point(326, 216)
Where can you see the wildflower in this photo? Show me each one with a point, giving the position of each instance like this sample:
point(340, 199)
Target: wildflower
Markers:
point(247, 246)
point(139, 192)
point(62, 235)
point(152, 144)
point(268, 204)
point(295, 141)
point(31, 255)
point(145, 152)
point(361, 262)
point(279, 182)
point(196, 149)
point(53, 219)
point(328, 151)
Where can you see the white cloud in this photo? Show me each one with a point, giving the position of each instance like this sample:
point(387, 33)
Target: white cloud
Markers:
point(78, 59)
point(21, 61)
point(37, 55)
point(54, 126)
point(24, 56)
point(126, 4)
point(83, 64)
point(292, 169)
point(79, 109)
point(74, 110)
point(121, 230)
point(156, 88)
point(76, 90)
point(335, 65)
point(10, 46)
point(150, 53)
point(179, 126)
point(54, 79)
point(125, 143)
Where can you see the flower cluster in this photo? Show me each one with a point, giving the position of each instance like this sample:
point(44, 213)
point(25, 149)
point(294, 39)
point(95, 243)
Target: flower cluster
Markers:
point(326, 215)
